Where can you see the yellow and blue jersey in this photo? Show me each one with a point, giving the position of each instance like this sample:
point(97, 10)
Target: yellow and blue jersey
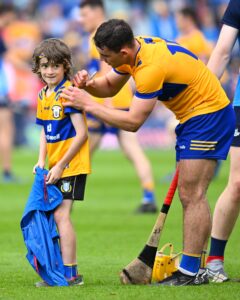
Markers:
point(176, 77)
point(59, 131)
point(123, 98)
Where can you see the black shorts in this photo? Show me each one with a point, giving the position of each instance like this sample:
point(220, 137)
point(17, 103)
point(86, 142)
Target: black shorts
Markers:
point(72, 187)
point(236, 139)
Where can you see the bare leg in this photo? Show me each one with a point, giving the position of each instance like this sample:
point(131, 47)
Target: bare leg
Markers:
point(6, 138)
point(66, 232)
point(94, 141)
point(194, 178)
point(133, 151)
point(227, 208)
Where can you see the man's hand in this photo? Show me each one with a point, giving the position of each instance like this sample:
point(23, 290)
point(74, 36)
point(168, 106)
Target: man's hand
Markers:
point(75, 97)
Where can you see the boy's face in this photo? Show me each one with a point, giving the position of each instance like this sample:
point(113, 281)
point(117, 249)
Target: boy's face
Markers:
point(52, 74)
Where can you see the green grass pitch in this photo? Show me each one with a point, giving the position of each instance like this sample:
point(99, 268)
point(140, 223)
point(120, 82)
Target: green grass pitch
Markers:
point(109, 234)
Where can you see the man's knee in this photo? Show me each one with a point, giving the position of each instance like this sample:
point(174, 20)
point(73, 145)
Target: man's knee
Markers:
point(234, 187)
point(190, 196)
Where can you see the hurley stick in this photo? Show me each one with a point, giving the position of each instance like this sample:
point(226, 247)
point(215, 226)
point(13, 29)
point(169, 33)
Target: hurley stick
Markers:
point(139, 271)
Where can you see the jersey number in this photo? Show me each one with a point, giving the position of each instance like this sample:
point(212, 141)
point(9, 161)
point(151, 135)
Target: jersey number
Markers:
point(174, 48)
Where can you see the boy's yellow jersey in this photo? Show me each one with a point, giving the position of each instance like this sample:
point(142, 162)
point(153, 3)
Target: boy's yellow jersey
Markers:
point(124, 96)
point(176, 77)
point(59, 131)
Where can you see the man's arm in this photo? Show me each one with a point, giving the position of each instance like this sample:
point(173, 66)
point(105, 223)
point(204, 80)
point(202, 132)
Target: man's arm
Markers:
point(127, 120)
point(104, 86)
point(222, 51)
point(130, 120)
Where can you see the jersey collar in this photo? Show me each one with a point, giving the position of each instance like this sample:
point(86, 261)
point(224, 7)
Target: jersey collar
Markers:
point(136, 61)
point(60, 84)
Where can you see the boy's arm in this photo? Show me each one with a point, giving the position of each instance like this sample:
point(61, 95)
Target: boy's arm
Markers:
point(80, 138)
point(42, 152)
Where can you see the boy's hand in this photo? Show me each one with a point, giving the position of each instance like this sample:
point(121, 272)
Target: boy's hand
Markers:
point(54, 174)
point(40, 165)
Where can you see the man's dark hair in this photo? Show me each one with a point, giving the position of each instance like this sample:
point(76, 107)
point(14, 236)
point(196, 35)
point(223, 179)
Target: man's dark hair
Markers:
point(56, 52)
point(92, 3)
point(114, 34)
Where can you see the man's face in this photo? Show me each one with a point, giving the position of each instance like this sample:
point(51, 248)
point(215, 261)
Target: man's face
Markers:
point(113, 59)
point(88, 18)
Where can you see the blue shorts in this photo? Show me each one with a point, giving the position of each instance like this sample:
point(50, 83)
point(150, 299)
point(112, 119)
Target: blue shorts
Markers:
point(97, 126)
point(236, 139)
point(4, 102)
point(207, 136)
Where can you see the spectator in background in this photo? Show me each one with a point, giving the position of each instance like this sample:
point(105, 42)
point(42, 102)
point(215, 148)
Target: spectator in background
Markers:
point(162, 21)
point(208, 26)
point(52, 21)
point(92, 15)
point(20, 37)
point(139, 20)
point(190, 36)
point(74, 41)
point(7, 14)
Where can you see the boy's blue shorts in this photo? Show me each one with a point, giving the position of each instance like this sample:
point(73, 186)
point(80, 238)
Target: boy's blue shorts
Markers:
point(207, 136)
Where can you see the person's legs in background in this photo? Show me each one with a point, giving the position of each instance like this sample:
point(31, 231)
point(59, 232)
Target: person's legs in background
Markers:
point(224, 218)
point(131, 148)
point(6, 142)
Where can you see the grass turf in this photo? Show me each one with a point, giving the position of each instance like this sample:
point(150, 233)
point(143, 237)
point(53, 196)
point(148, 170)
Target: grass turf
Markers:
point(109, 234)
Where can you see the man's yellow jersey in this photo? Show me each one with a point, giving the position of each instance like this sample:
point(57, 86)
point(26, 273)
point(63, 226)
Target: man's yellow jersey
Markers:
point(176, 77)
point(124, 96)
point(59, 131)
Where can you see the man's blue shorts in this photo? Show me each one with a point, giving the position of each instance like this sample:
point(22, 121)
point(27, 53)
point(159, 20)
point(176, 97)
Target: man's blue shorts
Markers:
point(207, 136)
point(97, 126)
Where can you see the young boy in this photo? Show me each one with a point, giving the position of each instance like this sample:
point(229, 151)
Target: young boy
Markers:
point(64, 141)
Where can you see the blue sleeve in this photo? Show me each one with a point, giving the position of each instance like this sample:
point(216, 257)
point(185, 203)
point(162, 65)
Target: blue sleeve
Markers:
point(232, 14)
point(39, 121)
point(71, 110)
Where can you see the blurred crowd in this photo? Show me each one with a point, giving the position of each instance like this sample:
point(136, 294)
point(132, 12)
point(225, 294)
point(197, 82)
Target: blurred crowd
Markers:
point(23, 23)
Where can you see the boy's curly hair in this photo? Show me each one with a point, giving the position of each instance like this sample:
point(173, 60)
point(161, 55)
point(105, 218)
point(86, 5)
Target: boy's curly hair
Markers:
point(56, 52)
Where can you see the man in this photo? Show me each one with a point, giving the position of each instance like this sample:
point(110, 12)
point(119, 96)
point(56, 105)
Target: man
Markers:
point(227, 208)
point(91, 16)
point(168, 72)
point(190, 36)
